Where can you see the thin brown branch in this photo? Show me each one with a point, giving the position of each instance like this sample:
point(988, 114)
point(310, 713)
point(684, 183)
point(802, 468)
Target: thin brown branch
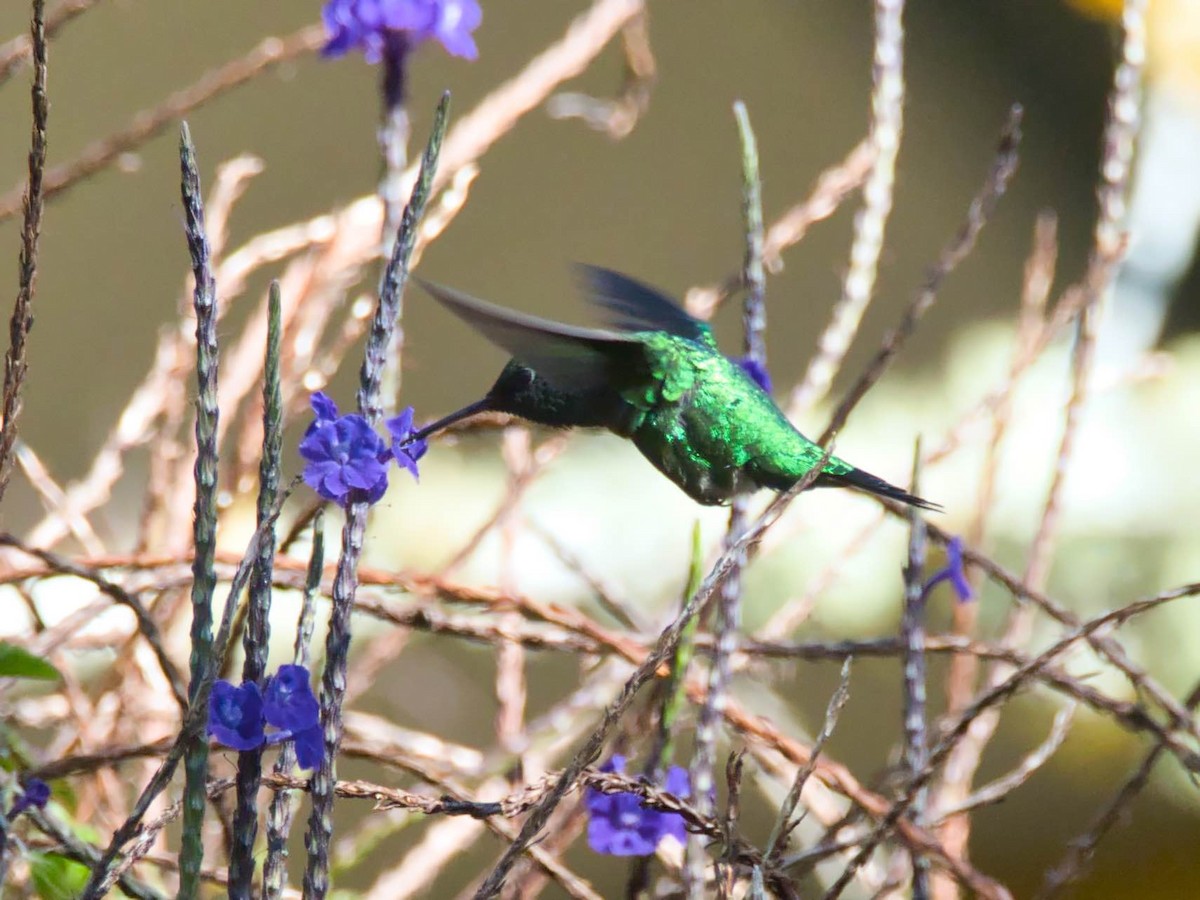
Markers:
point(1035, 290)
point(986, 701)
point(1081, 849)
point(833, 186)
point(887, 124)
point(19, 50)
point(30, 199)
point(617, 117)
point(148, 123)
point(1109, 649)
point(146, 624)
point(784, 823)
point(54, 498)
point(997, 791)
point(980, 211)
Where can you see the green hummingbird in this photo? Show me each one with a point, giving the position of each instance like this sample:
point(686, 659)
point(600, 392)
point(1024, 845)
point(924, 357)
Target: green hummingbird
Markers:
point(656, 377)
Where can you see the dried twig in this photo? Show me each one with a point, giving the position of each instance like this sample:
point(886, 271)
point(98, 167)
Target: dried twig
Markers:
point(998, 790)
point(997, 694)
point(915, 751)
point(1081, 849)
point(833, 186)
point(55, 499)
point(145, 622)
point(345, 583)
point(1035, 289)
point(618, 117)
point(31, 197)
point(729, 605)
point(18, 50)
point(784, 823)
point(887, 123)
point(149, 122)
point(663, 649)
point(982, 206)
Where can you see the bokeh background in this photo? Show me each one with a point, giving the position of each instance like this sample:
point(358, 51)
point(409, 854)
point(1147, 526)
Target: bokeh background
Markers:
point(663, 204)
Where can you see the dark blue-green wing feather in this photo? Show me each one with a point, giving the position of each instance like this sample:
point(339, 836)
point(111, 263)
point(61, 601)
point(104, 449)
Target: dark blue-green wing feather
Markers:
point(569, 357)
point(631, 305)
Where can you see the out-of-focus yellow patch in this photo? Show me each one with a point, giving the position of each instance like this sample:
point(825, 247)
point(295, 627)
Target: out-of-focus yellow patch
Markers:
point(1173, 38)
point(1101, 9)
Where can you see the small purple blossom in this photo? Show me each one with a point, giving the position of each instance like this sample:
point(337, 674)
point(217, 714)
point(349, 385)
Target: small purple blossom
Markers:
point(235, 715)
point(757, 371)
point(35, 793)
point(621, 825)
point(310, 747)
point(367, 25)
point(290, 706)
point(952, 572)
point(346, 460)
point(343, 454)
point(405, 451)
point(288, 702)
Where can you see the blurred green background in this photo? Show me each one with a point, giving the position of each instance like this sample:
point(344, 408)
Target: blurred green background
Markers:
point(662, 204)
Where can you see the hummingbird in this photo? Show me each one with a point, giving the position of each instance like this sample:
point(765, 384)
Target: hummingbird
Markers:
point(656, 377)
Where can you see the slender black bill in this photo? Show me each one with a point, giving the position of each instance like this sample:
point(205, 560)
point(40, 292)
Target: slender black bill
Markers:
point(479, 406)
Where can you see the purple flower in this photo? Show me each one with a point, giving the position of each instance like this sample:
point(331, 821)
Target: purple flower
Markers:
point(235, 715)
point(288, 702)
point(757, 371)
point(343, 454)
point(346, 459)
point(952, 572)
point(366, 25)
point(621, 825)
point(405, 451)
point(310, 747)
point(36, 793)
point(290, 706)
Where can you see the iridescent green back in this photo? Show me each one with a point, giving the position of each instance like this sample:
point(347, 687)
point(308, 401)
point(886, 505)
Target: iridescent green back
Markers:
point(710, 428)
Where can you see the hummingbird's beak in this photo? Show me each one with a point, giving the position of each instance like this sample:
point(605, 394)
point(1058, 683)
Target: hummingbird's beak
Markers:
point(478, 406)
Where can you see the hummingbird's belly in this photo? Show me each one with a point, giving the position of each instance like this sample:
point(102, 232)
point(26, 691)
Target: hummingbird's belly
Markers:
point(709, 474)
point(716, 437)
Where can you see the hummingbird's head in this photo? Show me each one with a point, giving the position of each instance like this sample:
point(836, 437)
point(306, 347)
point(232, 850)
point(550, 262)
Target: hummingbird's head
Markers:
point(523, 392)
point(520, 391)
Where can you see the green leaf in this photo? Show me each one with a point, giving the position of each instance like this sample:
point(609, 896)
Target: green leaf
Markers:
point(56, 877)
point(18, 663)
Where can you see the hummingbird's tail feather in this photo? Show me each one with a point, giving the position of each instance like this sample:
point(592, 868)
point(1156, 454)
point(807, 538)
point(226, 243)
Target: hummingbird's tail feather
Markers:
point(865, 481)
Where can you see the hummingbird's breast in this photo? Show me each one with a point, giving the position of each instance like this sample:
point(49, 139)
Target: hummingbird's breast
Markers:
point(714, 432)
point(698, 422)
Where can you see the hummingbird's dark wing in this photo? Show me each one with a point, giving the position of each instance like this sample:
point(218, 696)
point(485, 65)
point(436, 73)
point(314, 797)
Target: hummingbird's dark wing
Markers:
point(630, 305)
point(569, 357)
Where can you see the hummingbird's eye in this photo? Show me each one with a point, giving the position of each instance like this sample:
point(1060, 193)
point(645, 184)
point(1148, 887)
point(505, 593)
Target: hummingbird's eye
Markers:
point(523, 378)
